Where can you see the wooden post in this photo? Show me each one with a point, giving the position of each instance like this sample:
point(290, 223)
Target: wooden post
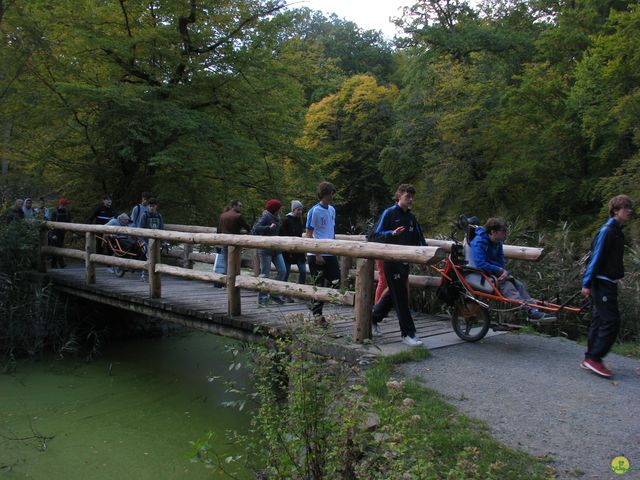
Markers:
point(43, 242)
point(233, 270)
point(345, 266)
point(187, 249)
point(256, 263)
point(364, 299)
point(153, 257)
point(89, 248)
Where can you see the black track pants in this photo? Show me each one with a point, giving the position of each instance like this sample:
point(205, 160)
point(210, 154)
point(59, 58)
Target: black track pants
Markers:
point(397, 275)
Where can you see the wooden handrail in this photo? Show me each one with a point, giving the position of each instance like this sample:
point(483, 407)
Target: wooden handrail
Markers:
point(348, 248)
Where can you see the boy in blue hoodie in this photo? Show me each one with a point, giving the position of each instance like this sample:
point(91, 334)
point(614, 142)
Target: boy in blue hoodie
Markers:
point(487, 255)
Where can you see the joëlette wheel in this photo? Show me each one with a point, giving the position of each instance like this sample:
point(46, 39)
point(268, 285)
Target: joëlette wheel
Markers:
point(469, 320)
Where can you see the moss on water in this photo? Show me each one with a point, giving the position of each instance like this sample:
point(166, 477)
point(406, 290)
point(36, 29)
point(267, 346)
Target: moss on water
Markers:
point(129, 414)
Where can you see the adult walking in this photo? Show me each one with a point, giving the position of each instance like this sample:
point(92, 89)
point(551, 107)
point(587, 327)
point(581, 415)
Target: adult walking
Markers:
point(269, 225)
point(321, 224)
point(398, 226)
point(232, 222)
point(102, 215)
point(600, 282)
point(292, 226)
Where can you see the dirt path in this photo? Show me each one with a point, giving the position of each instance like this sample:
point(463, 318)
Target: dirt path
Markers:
point(534, 397)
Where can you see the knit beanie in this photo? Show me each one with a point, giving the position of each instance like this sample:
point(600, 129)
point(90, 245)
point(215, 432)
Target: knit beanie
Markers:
point(296, 204)
point(272, 205)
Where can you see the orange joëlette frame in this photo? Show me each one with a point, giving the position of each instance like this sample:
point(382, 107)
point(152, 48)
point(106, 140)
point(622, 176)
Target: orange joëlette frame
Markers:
point(452, 269)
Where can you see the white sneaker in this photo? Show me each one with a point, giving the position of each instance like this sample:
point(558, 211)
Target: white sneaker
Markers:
point(375, 330)
point(112, 270)
point(412, 341)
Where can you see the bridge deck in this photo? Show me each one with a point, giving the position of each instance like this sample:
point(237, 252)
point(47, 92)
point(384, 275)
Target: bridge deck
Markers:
point(199, 305)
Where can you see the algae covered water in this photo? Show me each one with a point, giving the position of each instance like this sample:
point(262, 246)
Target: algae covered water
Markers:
point(131, 413)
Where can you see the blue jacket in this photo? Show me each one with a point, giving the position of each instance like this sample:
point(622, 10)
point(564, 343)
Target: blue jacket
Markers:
point(392, 218)
point(607, 251)
point(487, 256)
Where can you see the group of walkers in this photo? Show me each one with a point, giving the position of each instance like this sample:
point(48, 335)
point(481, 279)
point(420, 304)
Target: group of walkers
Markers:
point(143, 215)
point(398, 226)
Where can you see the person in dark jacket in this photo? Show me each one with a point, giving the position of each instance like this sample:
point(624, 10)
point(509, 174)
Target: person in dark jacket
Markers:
point(56, 237)
point(101, 216)
point(16, 212)
point(398, 226)
point(233, 223)
point(292, 226)
point(269, 225)
point(600, 282)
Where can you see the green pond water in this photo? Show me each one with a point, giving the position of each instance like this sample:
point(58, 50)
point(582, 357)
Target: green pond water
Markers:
point(129, 414)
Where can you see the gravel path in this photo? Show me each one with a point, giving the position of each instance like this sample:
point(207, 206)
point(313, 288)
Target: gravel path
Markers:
point(534, 397)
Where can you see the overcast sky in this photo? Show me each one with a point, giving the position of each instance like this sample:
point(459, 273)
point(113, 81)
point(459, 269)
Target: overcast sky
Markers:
point(368, 14)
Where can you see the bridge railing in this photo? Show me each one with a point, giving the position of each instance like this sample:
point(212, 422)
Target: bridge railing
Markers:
point(363, 252)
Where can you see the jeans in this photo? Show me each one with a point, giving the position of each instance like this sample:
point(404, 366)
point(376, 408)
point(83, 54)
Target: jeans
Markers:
point(514, 289)
point(325, 275)
point(221, 264)
point(302, 269)
point(266, 257)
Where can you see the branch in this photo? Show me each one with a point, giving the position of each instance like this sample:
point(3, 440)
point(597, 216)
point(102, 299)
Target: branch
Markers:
point(236, 30)
point(131, 69)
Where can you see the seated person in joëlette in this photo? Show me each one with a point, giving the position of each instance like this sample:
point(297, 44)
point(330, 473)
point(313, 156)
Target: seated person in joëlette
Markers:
point(487, 255)
point(128, 243)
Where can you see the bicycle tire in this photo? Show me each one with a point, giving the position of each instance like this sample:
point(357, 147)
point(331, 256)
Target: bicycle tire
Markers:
point(469, 320)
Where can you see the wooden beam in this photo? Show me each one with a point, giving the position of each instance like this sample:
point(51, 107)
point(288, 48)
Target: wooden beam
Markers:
point(364, 300)
point(89, 248)
point(309, 292)
point(191, 274)
point(64, 252)
point(153, 258)
point(189, 228)
point(513, 252)
point(345, 266)
point(399, 253)
point(127, 263)
point(234, 261)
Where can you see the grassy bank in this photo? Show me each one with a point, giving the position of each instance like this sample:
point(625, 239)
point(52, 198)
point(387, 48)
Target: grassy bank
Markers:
point(317, 419)
point(431, 439)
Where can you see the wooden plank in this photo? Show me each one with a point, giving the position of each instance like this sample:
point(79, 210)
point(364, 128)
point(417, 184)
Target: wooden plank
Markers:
point(309, 292)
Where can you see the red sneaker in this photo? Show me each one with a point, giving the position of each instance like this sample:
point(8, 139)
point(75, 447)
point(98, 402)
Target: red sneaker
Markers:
point(596, 367)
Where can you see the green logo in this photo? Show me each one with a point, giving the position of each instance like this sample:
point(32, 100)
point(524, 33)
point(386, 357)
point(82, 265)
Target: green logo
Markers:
point(620, 465)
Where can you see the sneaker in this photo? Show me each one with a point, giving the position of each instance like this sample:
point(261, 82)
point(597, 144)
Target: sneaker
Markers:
point(375, 330)
point(596, 367)
point(278, 300)
point(538, 316)
point(263, 301)
point(412, 341)
point(112, 270)
point(144, 277)
point(289, 300)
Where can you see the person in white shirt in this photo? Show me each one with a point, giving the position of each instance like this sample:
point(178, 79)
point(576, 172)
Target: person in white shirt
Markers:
point(321, 222)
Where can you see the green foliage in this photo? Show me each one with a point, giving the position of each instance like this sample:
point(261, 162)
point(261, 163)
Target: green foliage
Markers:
point(18, 246)
point(347, 131)
point(319, 419)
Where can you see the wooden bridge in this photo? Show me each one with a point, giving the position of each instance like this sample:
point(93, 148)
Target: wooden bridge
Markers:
point(185, 294)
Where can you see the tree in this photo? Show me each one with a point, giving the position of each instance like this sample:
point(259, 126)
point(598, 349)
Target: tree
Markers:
point(347, 131)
